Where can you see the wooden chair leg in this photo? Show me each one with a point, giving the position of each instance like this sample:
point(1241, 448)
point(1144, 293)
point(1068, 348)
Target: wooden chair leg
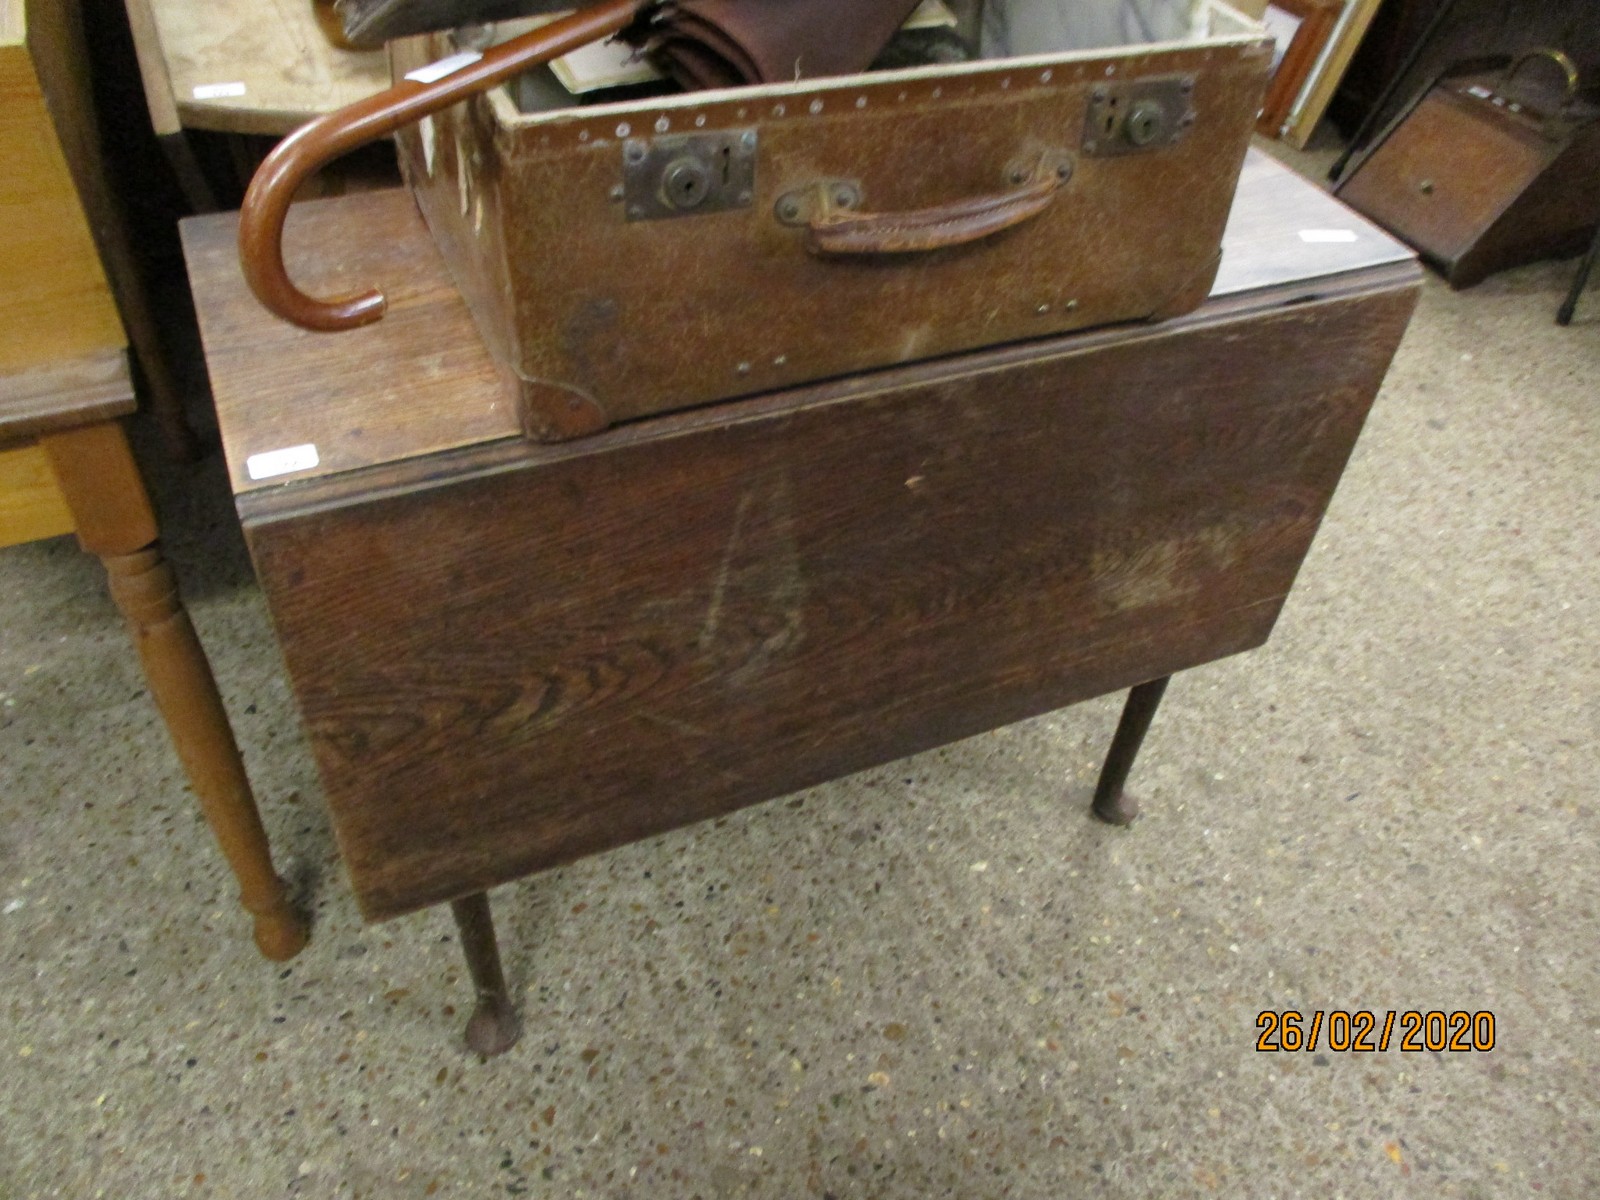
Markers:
point(1111, 801)
point(112, 511)
point(494, 1027)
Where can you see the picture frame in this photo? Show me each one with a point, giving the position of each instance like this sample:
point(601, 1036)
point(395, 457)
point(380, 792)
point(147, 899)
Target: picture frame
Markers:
point(1317, 95)
point(1302, 28)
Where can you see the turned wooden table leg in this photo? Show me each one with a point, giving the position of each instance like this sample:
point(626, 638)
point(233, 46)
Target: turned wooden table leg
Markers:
point(1111, 801)
point(102, 485)
point(494, 1027)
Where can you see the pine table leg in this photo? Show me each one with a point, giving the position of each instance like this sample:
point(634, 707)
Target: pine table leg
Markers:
point(102, 486)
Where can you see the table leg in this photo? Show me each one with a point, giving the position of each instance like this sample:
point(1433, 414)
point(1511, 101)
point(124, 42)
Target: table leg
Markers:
point(1570, 304)
point(114, 521)
point(1111, 802)
point(494, 1027)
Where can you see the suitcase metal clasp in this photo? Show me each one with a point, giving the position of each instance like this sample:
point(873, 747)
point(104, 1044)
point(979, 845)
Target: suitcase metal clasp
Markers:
point(1138, 115)
point(689, 174)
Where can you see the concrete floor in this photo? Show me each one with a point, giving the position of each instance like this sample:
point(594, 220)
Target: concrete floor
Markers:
point(935, 979)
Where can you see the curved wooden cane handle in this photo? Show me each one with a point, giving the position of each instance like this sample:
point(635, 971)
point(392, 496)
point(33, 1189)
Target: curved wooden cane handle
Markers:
point(845, 232)
point(302, 153)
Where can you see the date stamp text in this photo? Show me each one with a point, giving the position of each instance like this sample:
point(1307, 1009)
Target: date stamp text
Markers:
point(1364, 1031)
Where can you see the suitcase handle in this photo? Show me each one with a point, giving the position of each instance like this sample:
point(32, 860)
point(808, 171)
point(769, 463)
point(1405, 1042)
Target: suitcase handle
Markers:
point(302, 153)
point(836, 231)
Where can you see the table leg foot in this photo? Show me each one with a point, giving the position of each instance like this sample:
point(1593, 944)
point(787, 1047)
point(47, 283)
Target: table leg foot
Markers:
point(280, 931)
point(493, 1027)
point(1112, 803)
point(1121, 809)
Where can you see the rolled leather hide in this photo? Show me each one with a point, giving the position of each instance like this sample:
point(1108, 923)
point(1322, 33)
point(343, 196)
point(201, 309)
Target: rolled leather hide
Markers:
point(697, 43)
point(700, 44)
point(725, 43)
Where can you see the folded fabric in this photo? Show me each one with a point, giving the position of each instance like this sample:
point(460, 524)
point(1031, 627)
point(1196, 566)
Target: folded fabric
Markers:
point(725, 43)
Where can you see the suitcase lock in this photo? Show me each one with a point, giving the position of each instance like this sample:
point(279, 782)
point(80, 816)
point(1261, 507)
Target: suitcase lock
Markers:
point(688, 174)
point(1136, 116)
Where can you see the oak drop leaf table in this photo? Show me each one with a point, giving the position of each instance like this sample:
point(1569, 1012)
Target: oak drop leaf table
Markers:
point(510, 655)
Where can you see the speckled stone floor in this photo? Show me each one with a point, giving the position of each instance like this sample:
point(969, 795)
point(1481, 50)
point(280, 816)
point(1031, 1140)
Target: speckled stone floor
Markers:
point(936, 979)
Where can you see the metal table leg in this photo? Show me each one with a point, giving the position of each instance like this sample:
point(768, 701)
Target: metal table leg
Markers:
point(1564, 316)
point(493, 1027)
point(1111, 803)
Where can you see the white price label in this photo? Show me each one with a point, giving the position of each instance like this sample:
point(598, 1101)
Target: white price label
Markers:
point(218, 91)
point(445, 66)
point(281, 462)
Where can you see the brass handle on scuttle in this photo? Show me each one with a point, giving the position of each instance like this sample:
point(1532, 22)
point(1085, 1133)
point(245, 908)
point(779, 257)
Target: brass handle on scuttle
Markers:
point(1569, 69)
point(302, 153)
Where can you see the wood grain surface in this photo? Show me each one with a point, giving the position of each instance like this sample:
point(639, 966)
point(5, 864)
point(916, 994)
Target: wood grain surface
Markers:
point(58, 39)
point(524, 662)
point(54, 300)
point(420, 381)
point(64, 395)
point(31, 503)
point(417, 382)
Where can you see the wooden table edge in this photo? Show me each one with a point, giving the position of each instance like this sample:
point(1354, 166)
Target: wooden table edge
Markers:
point(443, 468)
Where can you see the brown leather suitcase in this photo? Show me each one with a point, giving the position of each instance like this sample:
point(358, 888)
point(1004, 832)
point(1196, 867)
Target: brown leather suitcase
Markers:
point(630, 258)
